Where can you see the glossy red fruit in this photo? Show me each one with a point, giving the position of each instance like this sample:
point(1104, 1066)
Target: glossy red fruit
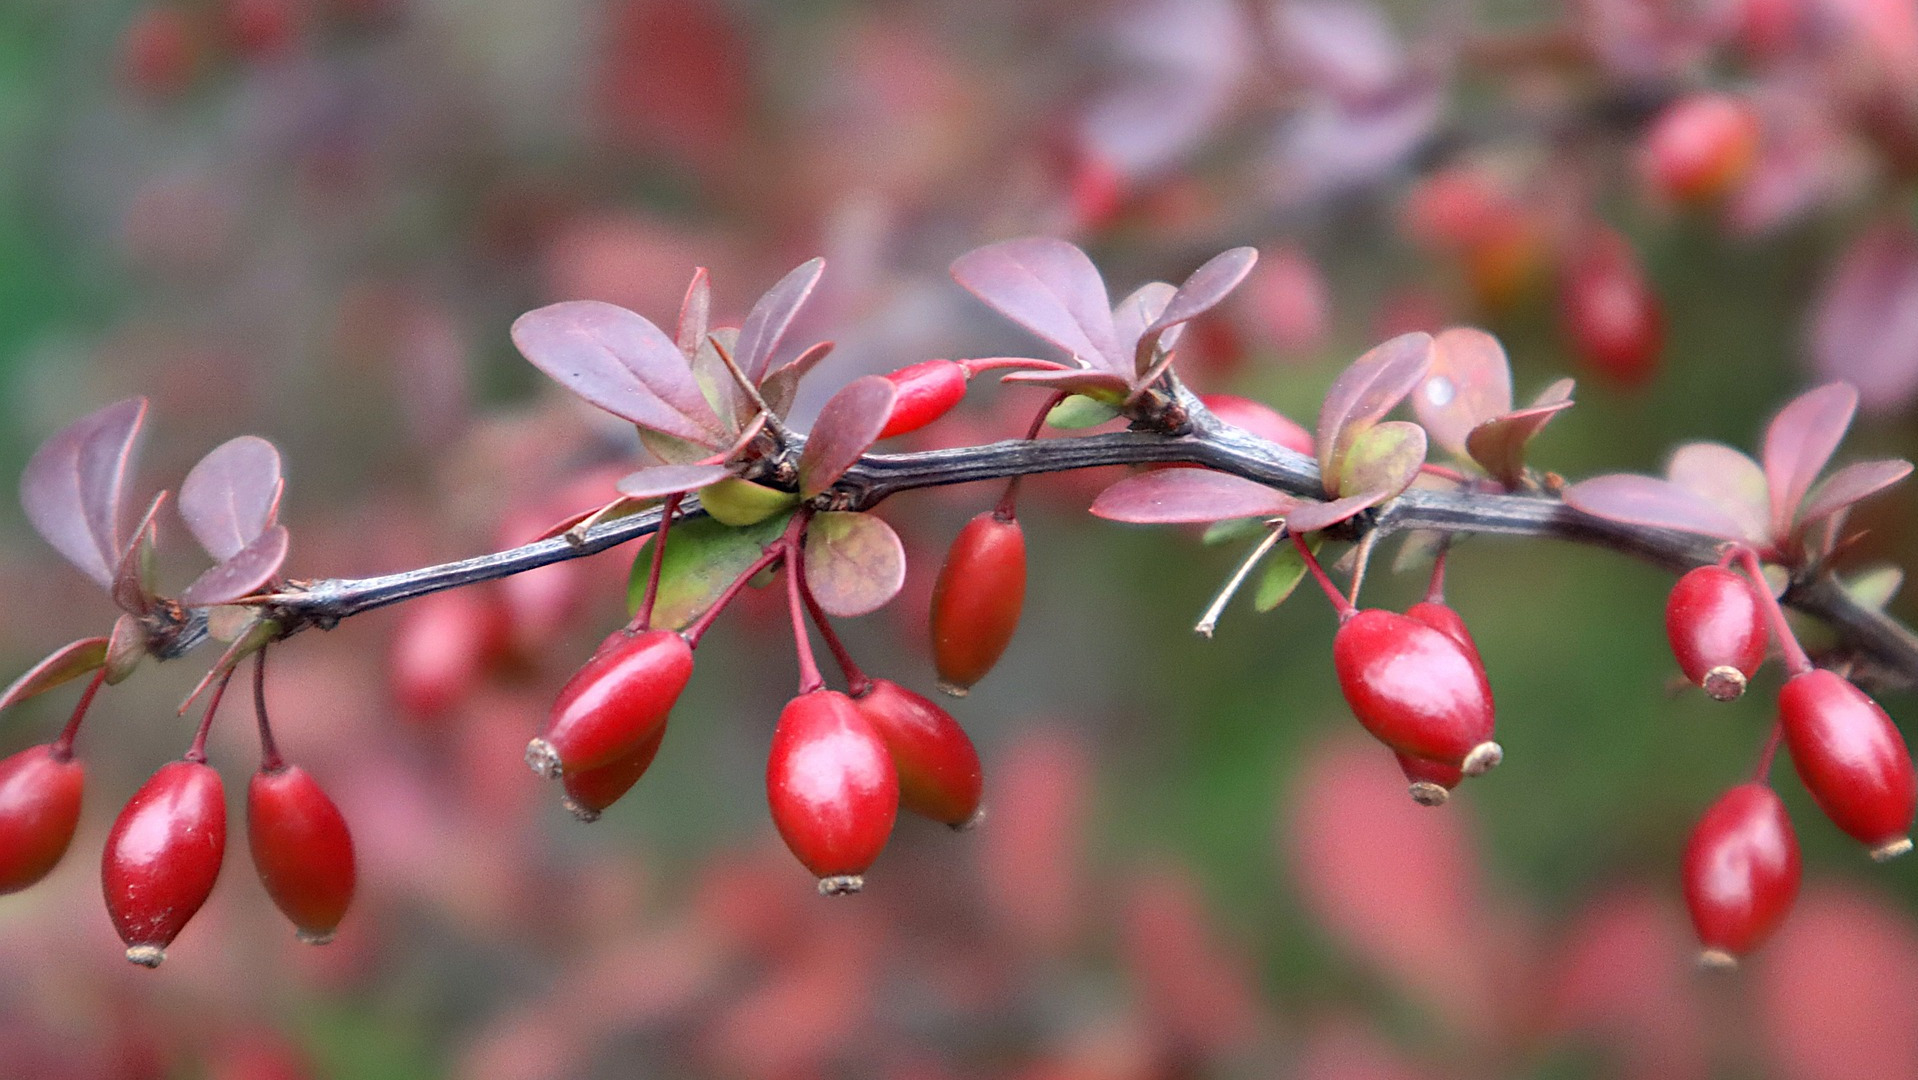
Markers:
point(302, 849)
point(614, 703)
point(1431, 782)
point(976, 600)
point(1852, 760)
point(162, 857)
point(1613, 319)
point(1741, 872)
point(927, 391)
point(39, 808)
point(591, 791)
point(1416, 689)
point(1699, 147)
point(939, 774)
point(1716, 623)
point(832, 787)
point(1442, 617)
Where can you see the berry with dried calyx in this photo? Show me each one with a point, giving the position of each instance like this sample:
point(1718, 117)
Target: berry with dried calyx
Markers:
point(926, 391)
point(590, 791)
point(163, 856)
point(1716, 624)
point(302, 850)
point(1416, 689)
point(614, 703)
point(1430, 783)
point(1852, 760)
point(1741, 872)
point(39, 808)
point(977, 599)
point(939, 774)
point(832, 787)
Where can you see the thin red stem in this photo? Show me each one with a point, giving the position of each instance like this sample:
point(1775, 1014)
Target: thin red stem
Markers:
point(1339, 602)
point(62, 748)
point(809, 677)
point(644, 619)
point(1007, 509)
point(1762, 774)
point(197, 752)
point(270, 761)
point(1796, 662)
point(1445, 472)
point(995, 363)
point(1435, 592)
point(858, 683)
point(697, 629)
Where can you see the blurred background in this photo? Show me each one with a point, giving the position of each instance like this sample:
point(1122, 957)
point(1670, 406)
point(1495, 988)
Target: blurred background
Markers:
point(315, 219)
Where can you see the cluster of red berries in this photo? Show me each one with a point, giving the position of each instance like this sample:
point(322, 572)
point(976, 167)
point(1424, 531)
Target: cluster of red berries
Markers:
point(1741, 866)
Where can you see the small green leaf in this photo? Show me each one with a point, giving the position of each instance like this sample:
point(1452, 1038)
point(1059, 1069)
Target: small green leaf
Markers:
point(739, 503)
point(1283, 572)
point(1080, 411)
point(1385, 457)
point(1874, 588)
point(1233, 529)
point(703, 556)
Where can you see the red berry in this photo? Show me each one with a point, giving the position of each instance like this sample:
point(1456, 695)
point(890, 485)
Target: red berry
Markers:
point(1741, 872)
point(976, 600)
point(927, 391)
point(39, 808)
point(161, 52)
point(590, 791)
point(1431, 781)
point(162, 857)
point(1610, 313)
point(1716, 623)
point(614, 703)
point(1416, 689)
point(1852, 760)
point(832, 788)
point(1442, 617)
point(939, 775)
point(1699, 147)
point(443, 645)
point(302, 850)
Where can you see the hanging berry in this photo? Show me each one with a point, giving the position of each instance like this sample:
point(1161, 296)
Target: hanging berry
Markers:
point(1716, 624)
point(927, 391)
point(1440, 616)
point(1741, 872)
point(976, 600)
point(302, 850)
point(163, 856)
point(939, 774)
point(1610, 313)
point(1431, 782)
point(1852, 760)
point(590, 791)
point(39, 809)
point(614, 703)
point(832, 788)
point(1416, 689)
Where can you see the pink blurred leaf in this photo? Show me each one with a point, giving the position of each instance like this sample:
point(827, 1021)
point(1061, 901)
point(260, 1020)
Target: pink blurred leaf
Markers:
point(73, 486)
point(1098, 385)
point(768, 321)
point(232, 495)
point(1499, 444)
point(1864, 324)
point(1032, 865)
point(1837, 990)
point(1313, 516)
point(848, 424)
point(1469, 383)
point(651, 483)
point(1195, 983)
point(1625, 972)
point(855, 563)
point(1852, 484)
point(1174, 68)
point(620, 362)
point(1260, 419)
point(249, 568)
point(1727, 479)
point(1331, 145)
point(68, 662)
point(1366, 391)
point(1201, 292)
point(1647, 500)
point(1343, 47)
point(782, 384)
point(1384, 458)
point(1799, 443)
point(1049, 287)
point(1169, 496)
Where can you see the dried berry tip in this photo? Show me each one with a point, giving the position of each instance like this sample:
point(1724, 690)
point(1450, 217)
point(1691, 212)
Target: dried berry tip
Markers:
point(1426, 793)
point(1483, 758)
point(543, 759)
point(148, 956)
point(1724, 683)
point(841, 885)
point(1891, 849)
point(1716, 960)
point(951, 690)
point(583, 813)
point(309, 938)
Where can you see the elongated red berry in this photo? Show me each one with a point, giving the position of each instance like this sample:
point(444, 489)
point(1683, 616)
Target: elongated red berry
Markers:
point(927, 391)
point(302, 849)
point(939, 774)
point(1442, 617)
point(976, 600)
point(163, 856)
point(1613, 318)
point(614, 703)
point(1699, 147)
point(39, 808)
point(1852, 760)
point(1741, 872)
point(591, 791)
point(1430, 782)
point(1716, 624)
point(832, 788)
point(1416, 689)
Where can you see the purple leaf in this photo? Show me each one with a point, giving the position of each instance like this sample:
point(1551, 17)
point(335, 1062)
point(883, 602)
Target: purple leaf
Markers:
point(651, 483)
point(73, 487)
point(721, 390)
point(1366, 391)
point(848, 424)
point(132, 588)
point(1852, 484)
point(1345, 48)
point(69, 661)
point(1331, 145)
point(1208, 285)
point(1311, 517)
point(1172, 71)
point(855, 563)
point(1468, 383)
point(1136, 312)
point(1864, 324)
point(621, 363)
point(232, 495)
point(1498, 445)
point(780, 387)
point(1647, 500)
point(767, 322)
point(1384, 458)
point(1177, 496)
point(1102, 386)
point(251, 567)
point(1049, 287)
point(1799, 443)
point(1727, 479)
point(695, 314)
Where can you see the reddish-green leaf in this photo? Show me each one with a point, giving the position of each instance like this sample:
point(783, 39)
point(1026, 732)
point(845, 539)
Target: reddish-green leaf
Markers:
point(251, 567)
point(1468, 384)
point(1852, 484)
point(73, 486)
point(1367, 391)
point(132, 589)
point(1170, 496)
point(1800, 441)
point(658, 480)
point(770, 318)
point(1647, 500)
point(702, 559)
point(1313, 516)
point(621, 363)
point(1049, 287)
point(1499, 444)
point(1383, 458)
point(849, 423)
point(232, 495)
point(1729, 480)
point(1201, 292)
point(69, 661)
point(1101, 386)
point(855, 563)
point(780, 387)
point(126, 647)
